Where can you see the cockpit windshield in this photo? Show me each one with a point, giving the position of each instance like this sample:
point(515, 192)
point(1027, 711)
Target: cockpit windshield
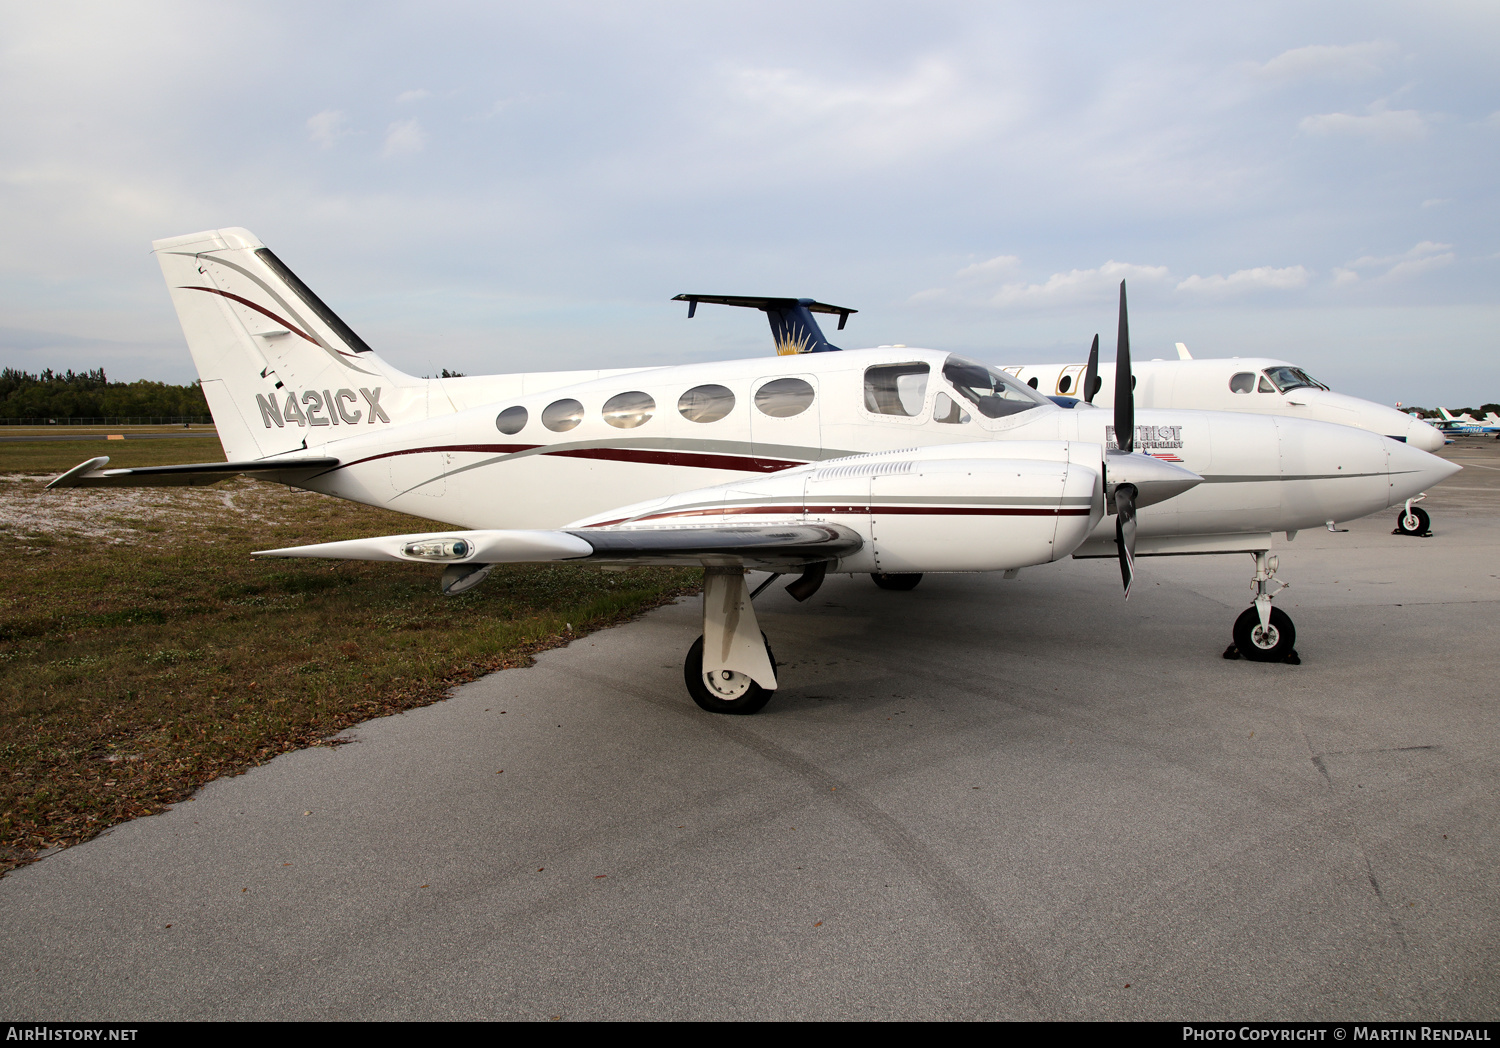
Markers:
point(994, 393)
point(1292, 378)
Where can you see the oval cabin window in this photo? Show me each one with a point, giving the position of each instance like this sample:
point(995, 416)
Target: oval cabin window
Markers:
point(706, 403)
point(1065, 383)
point(629, 410)
point(1243, 382)
point(784, 397)
point(562, 415)
point(511, 420)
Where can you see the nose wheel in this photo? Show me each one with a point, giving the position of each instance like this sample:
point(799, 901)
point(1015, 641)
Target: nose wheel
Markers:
point(1413, 520)
point(1263, 633)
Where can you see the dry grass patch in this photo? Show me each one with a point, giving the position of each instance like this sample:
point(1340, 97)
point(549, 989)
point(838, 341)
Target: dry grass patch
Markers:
point(144, 653)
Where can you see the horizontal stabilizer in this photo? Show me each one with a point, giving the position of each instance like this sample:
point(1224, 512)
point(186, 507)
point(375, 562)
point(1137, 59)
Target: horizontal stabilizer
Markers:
point(768, 546)
point(92, 474)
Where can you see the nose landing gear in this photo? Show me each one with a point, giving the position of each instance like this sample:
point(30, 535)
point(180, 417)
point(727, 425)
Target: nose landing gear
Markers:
point(1413, 520)
point(1263, 633)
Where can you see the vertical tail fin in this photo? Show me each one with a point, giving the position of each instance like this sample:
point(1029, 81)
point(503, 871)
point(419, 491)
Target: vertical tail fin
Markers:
point(279, 368)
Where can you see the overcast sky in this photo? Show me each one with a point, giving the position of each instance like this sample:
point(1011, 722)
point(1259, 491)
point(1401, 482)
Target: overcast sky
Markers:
point(504, 187)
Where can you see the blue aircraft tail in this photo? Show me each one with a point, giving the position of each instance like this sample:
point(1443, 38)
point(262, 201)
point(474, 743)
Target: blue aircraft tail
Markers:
point(792, 323)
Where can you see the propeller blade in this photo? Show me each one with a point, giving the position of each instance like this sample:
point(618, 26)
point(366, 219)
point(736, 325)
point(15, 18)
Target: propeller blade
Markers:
point(1125, 533)
point(1124, 384)
point(1091, 373)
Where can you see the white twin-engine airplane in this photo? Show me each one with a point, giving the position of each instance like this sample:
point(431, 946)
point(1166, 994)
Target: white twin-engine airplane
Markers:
point(891, 462)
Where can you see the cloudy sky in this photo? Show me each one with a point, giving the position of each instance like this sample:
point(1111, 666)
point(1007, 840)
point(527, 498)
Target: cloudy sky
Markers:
point(498, 187)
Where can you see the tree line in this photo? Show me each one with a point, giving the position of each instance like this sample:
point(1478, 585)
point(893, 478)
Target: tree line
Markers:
point(90, 394)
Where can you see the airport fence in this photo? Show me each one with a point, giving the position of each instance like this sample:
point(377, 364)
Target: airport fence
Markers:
point(141, 420)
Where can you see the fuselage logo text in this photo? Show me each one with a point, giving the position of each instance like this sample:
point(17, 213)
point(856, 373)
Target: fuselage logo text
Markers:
point(1148, 437)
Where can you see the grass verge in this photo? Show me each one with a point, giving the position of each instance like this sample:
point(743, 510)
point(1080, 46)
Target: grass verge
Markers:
point(143, 653)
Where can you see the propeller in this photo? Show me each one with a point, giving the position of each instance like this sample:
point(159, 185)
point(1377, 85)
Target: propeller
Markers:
point(1125, 440)
point(1091, 373)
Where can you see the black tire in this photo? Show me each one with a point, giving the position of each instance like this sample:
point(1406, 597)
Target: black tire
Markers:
point(1416, 523)
point(896, 581)
point(751, 697)
point(1274, 645)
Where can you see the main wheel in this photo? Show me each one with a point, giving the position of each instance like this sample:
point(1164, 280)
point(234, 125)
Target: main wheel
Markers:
point(725, 691)
point(1259, 643)
point(896, 581)
point(1414, 523)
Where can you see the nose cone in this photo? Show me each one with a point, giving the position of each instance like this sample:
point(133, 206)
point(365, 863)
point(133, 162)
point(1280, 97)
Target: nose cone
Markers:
point(1413, 470)
point(1423, 436)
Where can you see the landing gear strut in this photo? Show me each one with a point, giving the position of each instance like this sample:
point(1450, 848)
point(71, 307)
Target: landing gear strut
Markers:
point(1263, 633)
point(730, 669)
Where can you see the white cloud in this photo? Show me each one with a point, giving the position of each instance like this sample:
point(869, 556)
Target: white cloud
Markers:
point(1077, 285)
point(1427, 255)
point(413, 96)
point(1259, 278)
point(1000, 265)
point(1380, 125)
point(1437, 202)
point(1346, 60)
point(404, 136)
point(327, 127)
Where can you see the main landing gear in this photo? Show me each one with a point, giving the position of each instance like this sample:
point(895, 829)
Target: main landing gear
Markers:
point(1413, 520)
point(1263, 633)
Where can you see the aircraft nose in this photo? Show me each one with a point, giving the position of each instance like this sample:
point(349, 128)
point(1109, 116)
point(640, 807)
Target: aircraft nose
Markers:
point(1413, 470)
point(1422, 436)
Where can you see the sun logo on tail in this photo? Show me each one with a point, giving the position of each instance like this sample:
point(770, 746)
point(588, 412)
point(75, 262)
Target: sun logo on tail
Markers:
point(787, 345)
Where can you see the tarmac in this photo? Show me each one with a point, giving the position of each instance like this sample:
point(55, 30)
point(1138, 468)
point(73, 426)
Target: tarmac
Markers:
point(982, 799)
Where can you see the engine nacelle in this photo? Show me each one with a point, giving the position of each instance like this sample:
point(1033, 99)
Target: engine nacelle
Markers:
point(965, 507)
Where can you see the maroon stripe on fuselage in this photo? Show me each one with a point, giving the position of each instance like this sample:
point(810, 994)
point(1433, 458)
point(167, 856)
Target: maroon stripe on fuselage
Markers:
point(875, 510)
point(698, 460)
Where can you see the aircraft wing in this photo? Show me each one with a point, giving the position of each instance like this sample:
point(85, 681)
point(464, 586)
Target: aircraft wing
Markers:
point(767, 547)
point(92, 474)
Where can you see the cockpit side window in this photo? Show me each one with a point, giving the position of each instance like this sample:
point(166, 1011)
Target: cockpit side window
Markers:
point(896, 389)
point(1287, 378)
point(994, 393)
point(1265, 385)
point(1242, 382)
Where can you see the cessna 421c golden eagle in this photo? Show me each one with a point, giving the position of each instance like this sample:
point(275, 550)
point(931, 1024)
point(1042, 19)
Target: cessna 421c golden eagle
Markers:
point(890, 462)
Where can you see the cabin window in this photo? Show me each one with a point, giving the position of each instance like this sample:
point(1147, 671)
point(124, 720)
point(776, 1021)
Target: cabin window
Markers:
point(511, 420)
point(1065, 383)
point(1242, 382)
point(706, 403)
point(944, 409)
point(784, 397)
point(896, 389)
point(562, 415)
point(995, 393)
point(629, 410)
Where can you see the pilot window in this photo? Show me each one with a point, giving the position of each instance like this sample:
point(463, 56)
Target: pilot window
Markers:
point(993, 392)
point(1242, 382)
point(1265, 385)
point(945, 410)
point(1286, 379)
point(896, 389)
